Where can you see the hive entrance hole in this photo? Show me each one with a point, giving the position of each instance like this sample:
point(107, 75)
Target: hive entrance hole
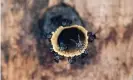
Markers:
point(69, 37)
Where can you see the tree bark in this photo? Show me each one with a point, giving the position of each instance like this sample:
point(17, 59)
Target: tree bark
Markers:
point(24, 58)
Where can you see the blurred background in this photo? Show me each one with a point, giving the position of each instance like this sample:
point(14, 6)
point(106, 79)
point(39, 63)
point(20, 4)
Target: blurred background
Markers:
point(26, 57)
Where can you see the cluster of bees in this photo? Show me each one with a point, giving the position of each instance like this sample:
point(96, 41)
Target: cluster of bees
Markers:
point(63, 15)
point(78, 43)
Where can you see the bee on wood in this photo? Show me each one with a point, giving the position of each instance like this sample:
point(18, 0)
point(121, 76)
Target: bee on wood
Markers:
point(72, 60)
point(92, 36)
point(57, 57)
point(47, 35)
point(61, 21)
point(83, 55)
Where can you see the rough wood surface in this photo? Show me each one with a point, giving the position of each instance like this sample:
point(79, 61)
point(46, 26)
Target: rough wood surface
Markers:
point(114, 57)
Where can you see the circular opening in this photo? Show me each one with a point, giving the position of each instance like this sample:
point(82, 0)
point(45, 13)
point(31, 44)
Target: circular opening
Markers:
point(71, 39)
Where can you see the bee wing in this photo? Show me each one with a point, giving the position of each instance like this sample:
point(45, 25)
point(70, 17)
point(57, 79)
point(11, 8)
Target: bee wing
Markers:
point(73, 41)
point(80, 42)
point(78, 37)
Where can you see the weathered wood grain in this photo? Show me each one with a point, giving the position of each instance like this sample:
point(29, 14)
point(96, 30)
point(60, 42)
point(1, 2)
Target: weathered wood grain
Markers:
point(112, 18)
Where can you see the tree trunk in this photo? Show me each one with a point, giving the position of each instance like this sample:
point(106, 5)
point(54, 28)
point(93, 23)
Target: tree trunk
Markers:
point(26, 57)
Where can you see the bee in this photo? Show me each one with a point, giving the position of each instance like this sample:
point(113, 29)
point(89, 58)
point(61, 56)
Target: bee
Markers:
point(72, 60)
point(83, 55)
point(47, 35)
point(66, 22)
point(79, 44)
point(63, 46)
point(57, 57)
point(92, 36)
point(61, 21)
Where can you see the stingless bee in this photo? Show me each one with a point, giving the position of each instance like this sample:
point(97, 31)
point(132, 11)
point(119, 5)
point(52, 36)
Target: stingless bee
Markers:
point(92, 36)
point(62, 46)
point(79, 44)
point(72, 60)
point(57, 57)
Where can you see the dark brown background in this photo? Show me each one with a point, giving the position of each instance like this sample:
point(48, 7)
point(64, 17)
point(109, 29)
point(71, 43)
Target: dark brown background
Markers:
point(114, 57)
